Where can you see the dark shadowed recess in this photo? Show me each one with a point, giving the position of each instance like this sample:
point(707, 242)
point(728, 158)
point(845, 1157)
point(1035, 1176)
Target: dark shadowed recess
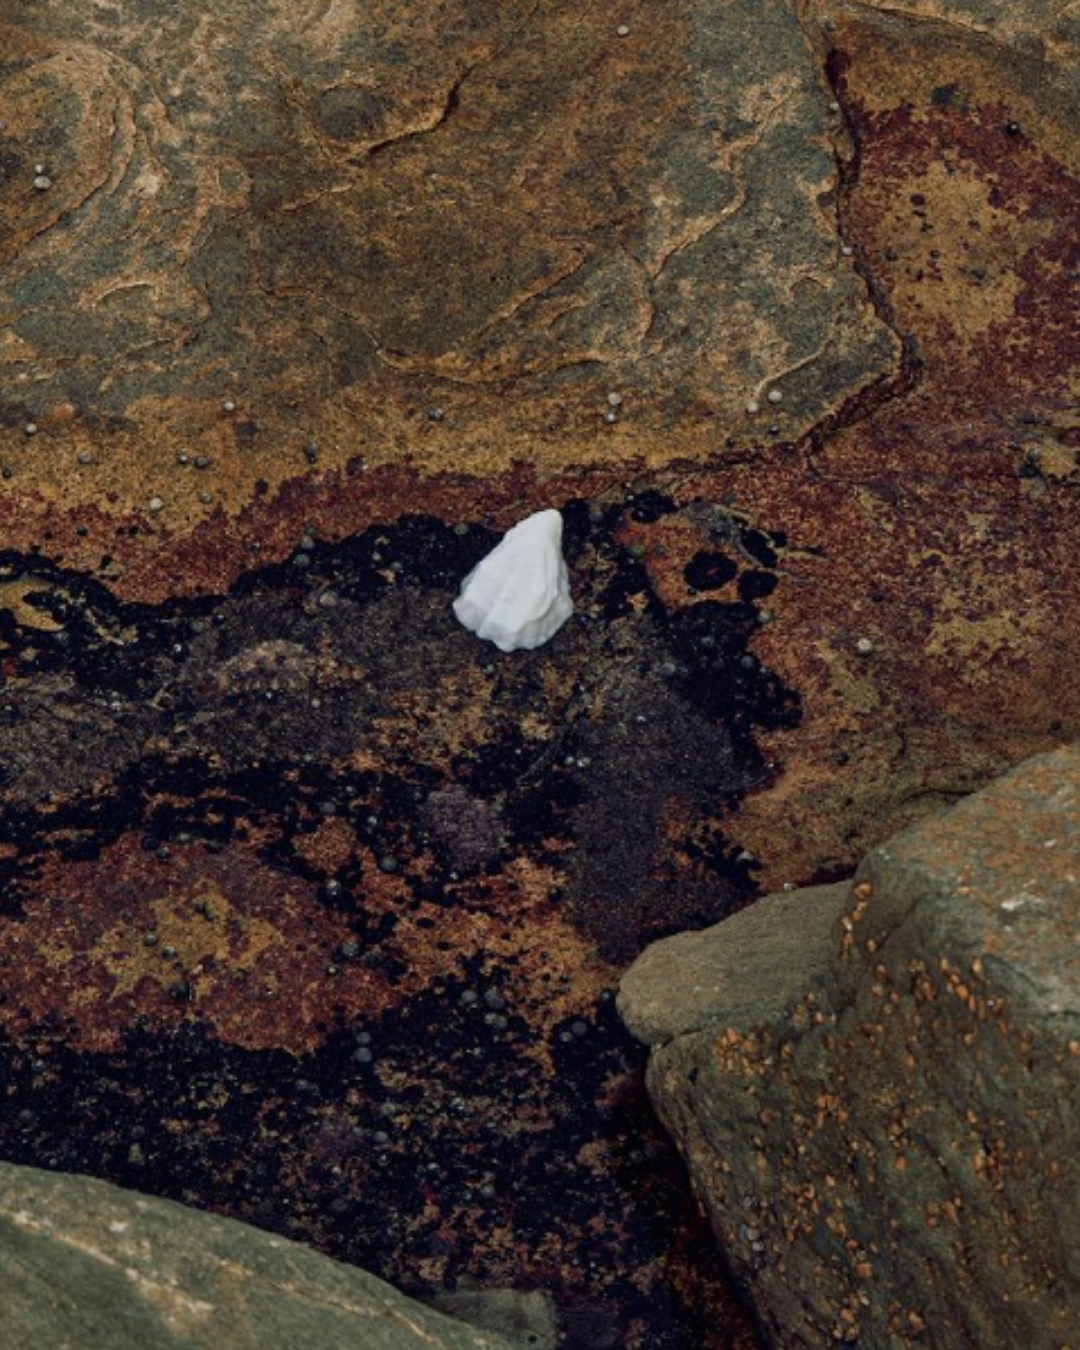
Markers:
point(410, 1181)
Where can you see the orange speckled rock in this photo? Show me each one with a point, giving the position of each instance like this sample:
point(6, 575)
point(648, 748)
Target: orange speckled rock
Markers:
point(885, 1130)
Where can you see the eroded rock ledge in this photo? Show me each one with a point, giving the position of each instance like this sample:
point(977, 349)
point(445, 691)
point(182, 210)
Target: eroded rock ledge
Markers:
point(875, 1083)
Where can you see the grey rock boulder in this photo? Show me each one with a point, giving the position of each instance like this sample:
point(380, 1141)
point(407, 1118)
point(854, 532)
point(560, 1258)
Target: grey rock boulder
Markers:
point(755, 965)
point(87, 1266)
point(877, 1085)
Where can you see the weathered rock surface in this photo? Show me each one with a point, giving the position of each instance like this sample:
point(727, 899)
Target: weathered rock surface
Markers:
point(314, 299)
point(888, 1138)
point(87, 1266)
point(328, 212)
point(759, 962)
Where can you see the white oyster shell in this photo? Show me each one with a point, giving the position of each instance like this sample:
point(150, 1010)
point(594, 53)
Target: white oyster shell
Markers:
point(519, 595)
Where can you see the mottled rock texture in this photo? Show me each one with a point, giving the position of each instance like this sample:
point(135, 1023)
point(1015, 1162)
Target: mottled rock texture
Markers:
point(311, 904)
point(886, 1128)
point(331, 212)
point(758, 963)
point(87, 1266)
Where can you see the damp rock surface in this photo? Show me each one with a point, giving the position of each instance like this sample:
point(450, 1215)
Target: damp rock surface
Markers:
point(296, 925)
point(88, 1266)
point(527, 1316)
point(887, 1140)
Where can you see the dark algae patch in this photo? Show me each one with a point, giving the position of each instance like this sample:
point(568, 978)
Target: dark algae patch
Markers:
point(313, 904)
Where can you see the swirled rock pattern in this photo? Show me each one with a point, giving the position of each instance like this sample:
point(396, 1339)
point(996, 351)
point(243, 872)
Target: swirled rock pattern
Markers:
point(312, 907)
point(329, 213)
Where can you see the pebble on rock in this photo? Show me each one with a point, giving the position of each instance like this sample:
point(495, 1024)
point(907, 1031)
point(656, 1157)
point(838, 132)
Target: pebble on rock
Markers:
point(519, 595)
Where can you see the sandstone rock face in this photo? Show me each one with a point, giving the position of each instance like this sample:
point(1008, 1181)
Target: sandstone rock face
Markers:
point(326, 212)
point(887, 1138)
point(87, 1266)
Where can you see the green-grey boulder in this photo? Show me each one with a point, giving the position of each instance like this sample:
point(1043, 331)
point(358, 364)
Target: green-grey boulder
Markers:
point(87, 1266)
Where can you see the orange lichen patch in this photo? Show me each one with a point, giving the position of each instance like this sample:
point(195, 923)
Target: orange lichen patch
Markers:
point(978, 636)
point(446, 717)
point(217, 937)
point(968, 193)
point(17, 596)
point(845, 767)
point(329, 847)
point(525, 888)
point(228, 940)
point(225, 939)
point(665, 547)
